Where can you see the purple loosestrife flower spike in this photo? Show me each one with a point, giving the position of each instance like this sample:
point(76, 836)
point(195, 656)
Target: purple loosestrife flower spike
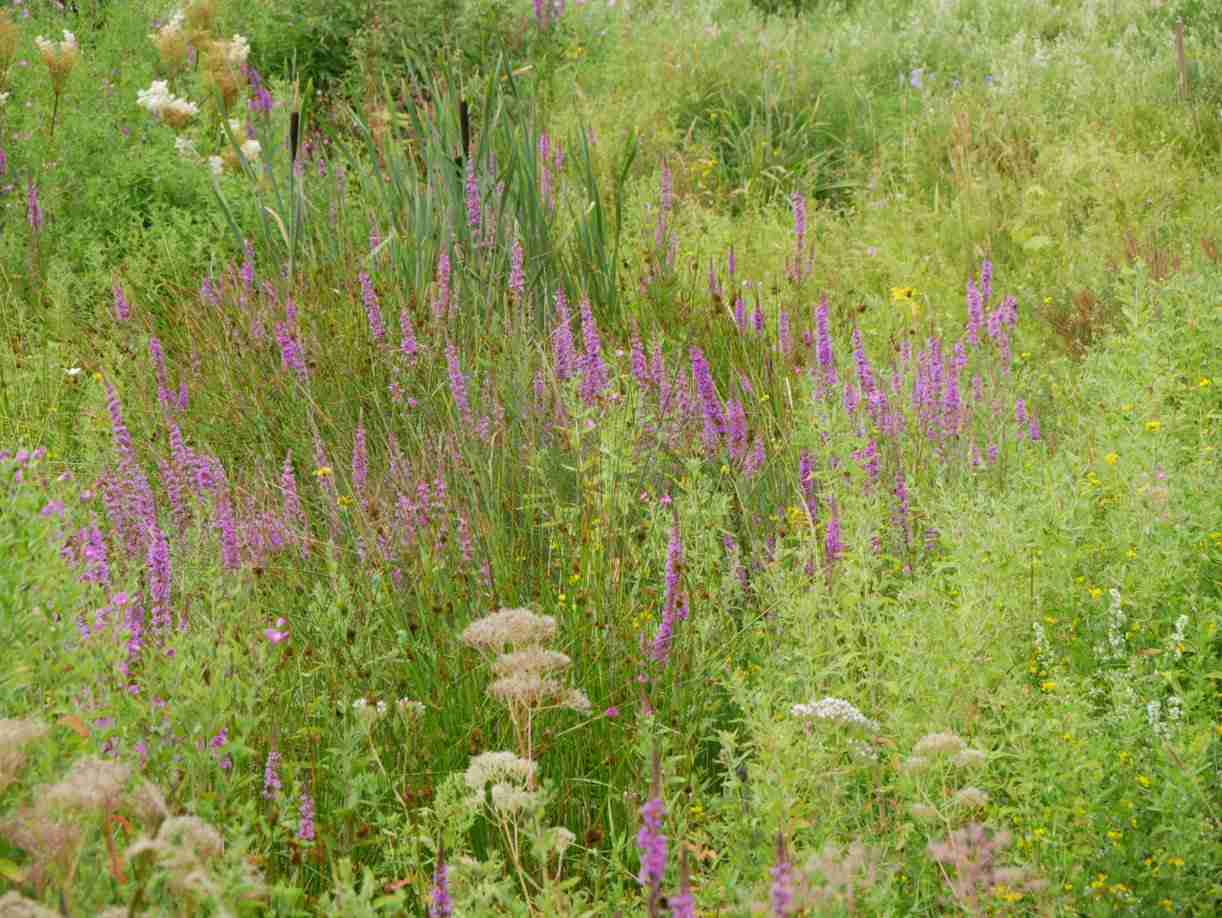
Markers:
point(740, 314)
point(640, 370)
point(160, 578)
point(832, 545)
point(119, 432)
point(360, 459)
point(33, 210)
point(975, 313)
point(305, 825)
point(674, 605)
point(1033, 427)
point(594, 370)
point(710, 402)
point(441, 905)
point(986, 280)
point(865, 375)
point(562, 340)
point(806, 480)
point(1020, 411)
point(474, 216)
point(823, 344)
point(517, 273)
point(271, 776)
point(458, 382)
point(682, 904)
point(230, 555)
point(123, 309)
point(736, 430)
point(407, 343)
point(784, 336)
point(901, 506)
point(650, 841)
point(782, 881)
point(291, 357)
point(373, 311)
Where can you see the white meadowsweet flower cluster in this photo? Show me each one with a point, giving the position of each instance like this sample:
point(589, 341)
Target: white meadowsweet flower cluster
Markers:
point(237, 50)
point(251, 149)
point(834, 709)
point(159, 102)
point(67, 46)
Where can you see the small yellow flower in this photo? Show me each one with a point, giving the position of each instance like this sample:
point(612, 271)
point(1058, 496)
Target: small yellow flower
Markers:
point(902, 294)
point(1204, 382)
point(1143, 781)
point(1175, 861)
point(1095, 592)
point(344, 500)
point(1154, 426)
point(1111, 458)
point(1115, 836)
point(323, 471)
point(1048, 686)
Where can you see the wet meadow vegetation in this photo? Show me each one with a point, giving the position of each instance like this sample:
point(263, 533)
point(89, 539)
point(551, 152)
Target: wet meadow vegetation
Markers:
point(489, 457)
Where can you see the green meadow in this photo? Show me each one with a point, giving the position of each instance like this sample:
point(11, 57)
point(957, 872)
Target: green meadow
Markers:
point(696, 458)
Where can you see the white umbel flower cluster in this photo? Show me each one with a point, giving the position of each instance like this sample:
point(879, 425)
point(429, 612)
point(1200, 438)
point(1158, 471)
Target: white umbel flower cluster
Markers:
point(164, 105)
point(509, 628)
point(834, 709)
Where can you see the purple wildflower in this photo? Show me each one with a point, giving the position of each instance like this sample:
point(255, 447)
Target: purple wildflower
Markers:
point(740, 314)
point(1033, 427)
point(33, 211)
point(159, 577)
point(1020, 411)
point(736, 429)
point(123, 309)
point(683, 904)
point(650, 841)
point(782, 881)
point(975, 312)
point(372, 310)
point(832, 545)
point(640, 370)
point(442, 906)
point(291, 357)
point(823, 344)
point(714, 418)
point(407, 343)
point(360, 459)
point(806, 480)
point(784, 336)
point(474, 215)
point(594, 371)
point(517, 273)
point(119, 433)
point(865, 375)
point(986, 280)
point(562, 340)
point(271, 776)
point(458, 382)
point(230, 555)
point(305, 826)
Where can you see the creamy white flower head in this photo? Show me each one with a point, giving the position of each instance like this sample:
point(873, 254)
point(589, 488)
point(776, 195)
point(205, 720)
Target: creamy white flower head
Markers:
point(939, 744)
point(155, 98)
point(561, 839)
point(3, 97)
point(530, 660)
point(237, 50)
point(73, 371)
point(512, 627)
point(185, 147)
point(183, 107)
point(216, 165)
point(497, 767)
point(235, 126)
point(90, 784)
point(969, 758)
point(834, 709)
point(509, 798)
point(69, 42)
point(44, 45)
point(971, 798)
point(251, 149)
